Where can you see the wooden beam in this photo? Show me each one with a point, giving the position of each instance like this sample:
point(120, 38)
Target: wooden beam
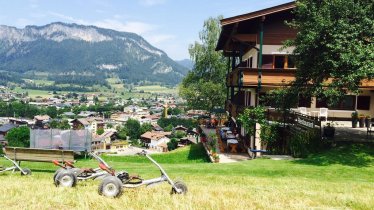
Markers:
point(233, 31)
point(245, 37)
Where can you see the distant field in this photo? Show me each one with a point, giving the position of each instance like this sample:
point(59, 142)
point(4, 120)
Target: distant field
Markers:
point(338, 179)
point(117, 89)
point(34, 93)
point(157, 89)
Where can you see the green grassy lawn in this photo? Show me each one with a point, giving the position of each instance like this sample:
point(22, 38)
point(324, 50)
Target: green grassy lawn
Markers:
point(342, 178)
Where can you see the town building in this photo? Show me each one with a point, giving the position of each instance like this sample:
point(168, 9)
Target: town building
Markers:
point(90, 123)
point(41, 121)
point(156, 140)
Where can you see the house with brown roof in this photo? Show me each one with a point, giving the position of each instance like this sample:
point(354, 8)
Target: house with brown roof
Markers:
point(155, 140)
point(41, 121)
point(88, 123)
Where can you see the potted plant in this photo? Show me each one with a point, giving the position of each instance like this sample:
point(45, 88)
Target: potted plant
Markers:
point(213, 145)
point(361, 120)
point(354, 119)
point(214, 150)
point(367, 121)
point(329, 131)
point(216, 158)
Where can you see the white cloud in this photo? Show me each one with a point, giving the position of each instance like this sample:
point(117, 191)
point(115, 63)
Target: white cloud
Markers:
point(69, 18)
point(129, 26)
point(151, 2)
point(159, 38)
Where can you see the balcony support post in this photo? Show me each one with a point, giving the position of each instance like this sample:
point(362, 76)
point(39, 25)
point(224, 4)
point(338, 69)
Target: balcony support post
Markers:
point(260, 56)
point(227, 76)
point(241, 52)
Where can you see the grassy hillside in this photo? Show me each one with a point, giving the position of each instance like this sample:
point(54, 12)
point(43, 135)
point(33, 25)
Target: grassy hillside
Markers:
point(339, 179)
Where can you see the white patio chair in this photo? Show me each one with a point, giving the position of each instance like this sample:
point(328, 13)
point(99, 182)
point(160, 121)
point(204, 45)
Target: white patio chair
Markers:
point(304, 111)
point(323, 112)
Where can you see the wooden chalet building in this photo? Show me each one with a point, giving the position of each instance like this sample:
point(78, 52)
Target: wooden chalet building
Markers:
point(253, 42)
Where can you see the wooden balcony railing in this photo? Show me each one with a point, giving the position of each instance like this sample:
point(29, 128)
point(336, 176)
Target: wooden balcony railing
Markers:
point(248, 77)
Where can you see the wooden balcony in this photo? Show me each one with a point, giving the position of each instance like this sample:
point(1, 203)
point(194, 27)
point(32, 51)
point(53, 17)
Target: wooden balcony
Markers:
point(269, 77)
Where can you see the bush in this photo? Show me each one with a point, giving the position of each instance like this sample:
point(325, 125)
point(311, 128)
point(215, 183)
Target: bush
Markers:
point(173, 144)
point(179, 134)
point(100, 131)
point(305, 142)
point(19, 137)
point(168, 128)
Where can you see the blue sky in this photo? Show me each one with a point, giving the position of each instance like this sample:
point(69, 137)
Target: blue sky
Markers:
point(170, 25)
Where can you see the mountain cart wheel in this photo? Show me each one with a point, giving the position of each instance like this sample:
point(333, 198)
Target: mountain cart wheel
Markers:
point(56, 173)
point(27, 172)
point(111, 186)
point(66, 178)
point(181, 186)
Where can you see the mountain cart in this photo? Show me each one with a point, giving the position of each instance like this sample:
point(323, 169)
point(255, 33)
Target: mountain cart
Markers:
point(68, 175)
point(15, 167)
point(112, 186)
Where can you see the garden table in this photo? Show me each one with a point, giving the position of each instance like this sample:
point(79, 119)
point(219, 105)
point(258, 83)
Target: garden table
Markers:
point(233, 143)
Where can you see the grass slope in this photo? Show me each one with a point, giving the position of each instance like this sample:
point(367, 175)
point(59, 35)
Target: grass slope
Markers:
point(338, 179)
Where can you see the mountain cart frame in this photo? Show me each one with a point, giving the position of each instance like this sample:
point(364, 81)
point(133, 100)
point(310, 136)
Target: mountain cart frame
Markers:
point(112, 186)
point(15, 167)
point(68, 175)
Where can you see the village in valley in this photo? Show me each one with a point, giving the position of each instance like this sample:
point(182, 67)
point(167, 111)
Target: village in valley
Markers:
point(106, 121)
point(101, 109)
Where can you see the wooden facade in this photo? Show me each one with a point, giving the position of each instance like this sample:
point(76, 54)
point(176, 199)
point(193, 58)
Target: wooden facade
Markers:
point(257, 67)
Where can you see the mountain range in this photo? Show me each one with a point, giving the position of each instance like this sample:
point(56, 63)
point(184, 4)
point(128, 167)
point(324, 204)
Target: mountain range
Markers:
point(72, 50)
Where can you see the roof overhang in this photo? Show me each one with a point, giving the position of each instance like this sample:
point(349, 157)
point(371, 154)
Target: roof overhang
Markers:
point(230, 40)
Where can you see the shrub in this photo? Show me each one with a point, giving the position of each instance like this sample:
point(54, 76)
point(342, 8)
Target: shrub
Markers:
point(305, 142)
point(179, 134)
point(173, 144)
point(100, 131)
point(19, 137)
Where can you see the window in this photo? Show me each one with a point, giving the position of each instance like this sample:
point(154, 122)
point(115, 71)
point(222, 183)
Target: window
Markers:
point(347, 103)
point(305, 102)
point(363, 102)
point(267, 61)
point(251, 62)
point(279, 62)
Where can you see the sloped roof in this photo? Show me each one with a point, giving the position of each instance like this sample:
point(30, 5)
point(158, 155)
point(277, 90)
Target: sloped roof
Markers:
point(42, 117)
point(181, 127)
point(155, 135)
point(7, 127)
point(259, 13)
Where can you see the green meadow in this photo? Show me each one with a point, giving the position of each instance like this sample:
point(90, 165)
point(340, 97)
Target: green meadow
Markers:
point(342, 178)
